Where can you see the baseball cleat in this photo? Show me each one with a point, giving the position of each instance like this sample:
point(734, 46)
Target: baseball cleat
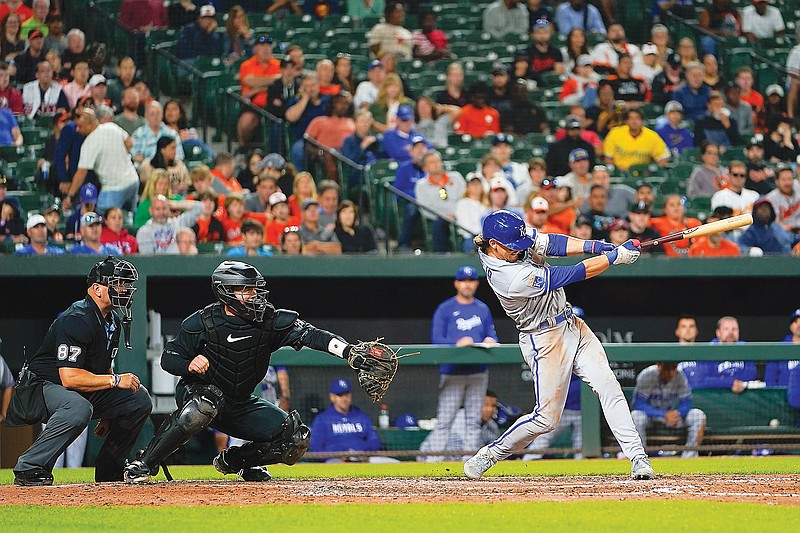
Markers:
point(641, 469)
point(37, 477)
point(479, 463)
point(136, 472)
point(254, 473)
point(222, 466)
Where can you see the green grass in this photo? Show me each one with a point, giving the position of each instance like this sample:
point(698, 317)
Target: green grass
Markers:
point(567, 467)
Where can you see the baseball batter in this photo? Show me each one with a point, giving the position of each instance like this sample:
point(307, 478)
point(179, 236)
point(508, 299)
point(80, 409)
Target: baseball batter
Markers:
point(554, 342)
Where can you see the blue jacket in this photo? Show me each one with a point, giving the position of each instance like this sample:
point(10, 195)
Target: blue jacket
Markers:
point(69, 145)
point(453, 320)
point(332, 431)
point(297, 129)
point(776, 373)
point(772, 239)
point(694, 104)
point(50, 250)
point(397, 144)
point(793, 387)
point(718, 374)
point(194, 42)
point(407, 176)
point(676, 139)
point(351, 149)
point(105, 249)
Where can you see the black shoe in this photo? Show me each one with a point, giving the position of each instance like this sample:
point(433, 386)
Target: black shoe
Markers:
point(33, 478)
point(255, 473)
point(137, 472)
point(221, 464)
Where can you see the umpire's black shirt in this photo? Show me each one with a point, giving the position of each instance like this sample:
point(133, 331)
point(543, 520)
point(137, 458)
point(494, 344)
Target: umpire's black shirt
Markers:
point(79, 338)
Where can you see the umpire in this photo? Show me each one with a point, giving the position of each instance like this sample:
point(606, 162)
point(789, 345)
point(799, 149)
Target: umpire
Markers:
point(71, 380)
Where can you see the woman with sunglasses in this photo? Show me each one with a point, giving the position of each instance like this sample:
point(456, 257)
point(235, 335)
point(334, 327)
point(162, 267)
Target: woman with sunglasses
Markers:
point(554, 342)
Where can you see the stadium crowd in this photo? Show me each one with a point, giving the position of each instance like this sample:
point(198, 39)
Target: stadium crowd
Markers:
point(639, 139)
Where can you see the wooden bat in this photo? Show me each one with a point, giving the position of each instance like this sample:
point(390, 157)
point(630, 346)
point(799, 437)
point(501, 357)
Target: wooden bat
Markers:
point(718, 226)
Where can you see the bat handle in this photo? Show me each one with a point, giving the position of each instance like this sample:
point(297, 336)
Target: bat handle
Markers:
point(647, 244)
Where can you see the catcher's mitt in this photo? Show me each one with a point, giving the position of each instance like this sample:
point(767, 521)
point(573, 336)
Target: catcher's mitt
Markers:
point(376, 364)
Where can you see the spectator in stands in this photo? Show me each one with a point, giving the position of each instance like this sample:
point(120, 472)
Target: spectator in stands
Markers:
point(10, 134)
point(704, 180)
point(765, 235)
point(256, 75)
point(537, 213)
point(146, 137)
point(662, 397)
point(361, 147)
point(182, 13)
point(158, 235)
point(76, 49)
point(581, 80)
point(114, 232)
point(397, 141)
point(208, 227)
point(37, 237)
point(715, 245)
point(330, 131)
point(558, 152)
point(723, 374)
point(537, 171)
point(52, 217)
point(645, 192)
point(542, 55)
point(67, 152)
point(677, 137)
point(780, 144)
point(56, 39)
point(88, 196)
point(762, 21)
point(720, 18)
point(280, 219)
point(470, 210)
point(240, 37)
point(105, 151)
point(355, 236)
point(740, 111)
point(575, 47)
point(502, 149)
point(291, 243)
point(606, 113)
point(477, 118)
point(303, 188)
point(143, 15)
point(27, 62)
point(12, 225)
point(439, 193)
point(735, 195)
point(777, 373)
point(326, 73)
point(224, 180)
point(500, 190)
point(328, 197)
point(317, 240)
point(595, 210)
point(343, 73)
point(253, 241)
point(674, 220)
point(606, 54)
point(78, 88)
point(620, 196)
point(430, 43)
point(760, 176)
point(666, 82)
point(627, 88)
point(264, 184)
point(711, 75)
point(745, 81)
point(129, 119)
point(38, 21)
point(157, 184)
point(390, 35)
point(175, 118)
point(579, 14)
point(406, 178)
point(687, 51)
point(774, 107)
point(367, 91)
point(187, 242)
point(200, 38)
point(529, 117)
point(499, 96)
point(97, 97)
point(695, 94)
point(785, 199)
point(126, 77)
point(561, 211)
point(59, 76)
point(717, 125)
point(639, 225)
point(435, 121)
point(634, 144)
point(385, 107)
point(302, 109)
point(453, 93)
point(11, 42)
point(91, 228)
point(649, 66)
point(505, 17)
point(490, 168)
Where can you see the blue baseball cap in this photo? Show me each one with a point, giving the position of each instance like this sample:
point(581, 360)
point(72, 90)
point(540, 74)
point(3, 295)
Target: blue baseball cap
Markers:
point(340, 386)
point(88, 194)
point(407, 422)
point(795, 316)
point(418, 139)
point(578, 154)
point(466, 272)
point(404, 112)
point(375, 63)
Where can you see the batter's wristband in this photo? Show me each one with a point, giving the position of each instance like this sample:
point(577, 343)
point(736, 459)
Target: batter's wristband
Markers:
point(612, 256)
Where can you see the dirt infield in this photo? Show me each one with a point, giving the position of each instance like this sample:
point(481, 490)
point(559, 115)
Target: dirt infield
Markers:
point(765, 489)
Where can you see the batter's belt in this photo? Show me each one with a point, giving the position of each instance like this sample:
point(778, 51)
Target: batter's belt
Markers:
point(553, 321)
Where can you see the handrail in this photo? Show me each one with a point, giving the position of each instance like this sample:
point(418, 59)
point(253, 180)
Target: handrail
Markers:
point(231, 93)
point(344, 180)
point(334, 152)
point(693, 27)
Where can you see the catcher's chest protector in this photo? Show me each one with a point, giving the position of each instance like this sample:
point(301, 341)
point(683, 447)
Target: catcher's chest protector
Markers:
point(238, 352)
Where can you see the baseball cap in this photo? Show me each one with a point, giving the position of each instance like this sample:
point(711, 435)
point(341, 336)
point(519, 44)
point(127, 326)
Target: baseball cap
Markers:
point(272, 161)
point(34, 220)
point(276, 198)
point(33, 34)
point(375, 63)
point(673, 105)
point(51, 208)
point(340, 386)
point(572, 122)
point(541, 24)
point(795, 315)
point(418, 139)
point(674, 60)
point(539, 205)
point(501, 70)
point(649, 48)
point(658, 28)
point(583, 60)
point(641, 207)
point(308, 202)
point(88, 193)
point(407, 422)
point(618, 223)
point(90, 218)
point(207, 11)
point(466, 272)
point(96, 80)
point(583, 220)
point(775, 89)
point(404, 112)
point(264, 39)
point(754, 141)
point(578, 154)
point(497, 183)
point(502, 138)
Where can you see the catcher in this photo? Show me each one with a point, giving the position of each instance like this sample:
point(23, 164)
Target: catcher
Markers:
point(221, 353)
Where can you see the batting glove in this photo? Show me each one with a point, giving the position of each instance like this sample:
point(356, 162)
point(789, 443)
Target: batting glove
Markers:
point(597, 247)
point(626, 254)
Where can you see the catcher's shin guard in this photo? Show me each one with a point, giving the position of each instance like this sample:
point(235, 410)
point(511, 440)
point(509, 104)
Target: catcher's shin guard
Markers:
point(288, 446)
point(189, 420)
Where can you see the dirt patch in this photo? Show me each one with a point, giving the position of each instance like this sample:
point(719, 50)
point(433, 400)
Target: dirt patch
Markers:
point(765, 489)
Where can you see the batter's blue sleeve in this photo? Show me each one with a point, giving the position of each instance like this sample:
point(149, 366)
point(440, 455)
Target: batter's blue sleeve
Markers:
point(560, 276)
point(556, 245)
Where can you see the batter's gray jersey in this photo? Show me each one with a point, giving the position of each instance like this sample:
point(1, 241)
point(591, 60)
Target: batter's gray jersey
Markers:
point(787, 208)
point(665, 396)
point(523, 289)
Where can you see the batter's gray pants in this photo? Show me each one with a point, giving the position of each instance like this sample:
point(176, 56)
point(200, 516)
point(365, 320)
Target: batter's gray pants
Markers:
point(70, 413)
point(456, 390)
point(570, 419)
point(694, 422)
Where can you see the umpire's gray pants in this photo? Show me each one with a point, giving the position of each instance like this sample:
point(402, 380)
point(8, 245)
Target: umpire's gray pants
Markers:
point(69, 414)
point(456, 390)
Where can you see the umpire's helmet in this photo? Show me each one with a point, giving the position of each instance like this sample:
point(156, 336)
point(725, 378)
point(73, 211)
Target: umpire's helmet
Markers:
point(231, 276)
point(508, 229)
point(119, 276)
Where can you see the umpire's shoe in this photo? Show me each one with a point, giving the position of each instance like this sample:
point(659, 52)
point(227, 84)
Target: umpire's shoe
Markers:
point(136, 472)
point(33, 478)
point(253, 473)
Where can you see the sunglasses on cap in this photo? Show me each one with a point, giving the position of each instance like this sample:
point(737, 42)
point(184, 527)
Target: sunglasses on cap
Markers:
point(91, 219)
point(291, 229)
point(600, 168)
point(541, 22)
point(264, 39)
point(343, 55)
point(548, 183)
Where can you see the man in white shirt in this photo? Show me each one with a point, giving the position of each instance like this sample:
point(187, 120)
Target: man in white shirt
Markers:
point(785, 198)
point(105, 150)
point(793, 66)
point(367, 90)
point(606, 54)
point(735, 195)
point(160, 234)
point(504, 17)
point(762, 21)
point(516, 173)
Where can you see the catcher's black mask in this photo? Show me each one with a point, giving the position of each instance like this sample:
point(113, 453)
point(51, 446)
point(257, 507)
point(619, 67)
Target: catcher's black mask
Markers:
point(232, 276)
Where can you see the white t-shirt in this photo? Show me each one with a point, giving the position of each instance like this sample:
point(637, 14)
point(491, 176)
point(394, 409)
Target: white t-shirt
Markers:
point(366, 93)
point(787, 208)
point(793, 61)
point(394, 39)
point(740, 203)
point(104, 152)
point(762, 27)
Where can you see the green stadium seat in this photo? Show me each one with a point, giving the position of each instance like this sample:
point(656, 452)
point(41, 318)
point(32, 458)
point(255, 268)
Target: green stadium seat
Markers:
point(691, 155)
point(680, 173)
point(12, 154)
point(643, 171)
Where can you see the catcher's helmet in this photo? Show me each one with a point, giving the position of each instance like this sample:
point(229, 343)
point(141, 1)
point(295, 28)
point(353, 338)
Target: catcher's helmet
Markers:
point(119, 276)
point(231, 276)
point(508, 229)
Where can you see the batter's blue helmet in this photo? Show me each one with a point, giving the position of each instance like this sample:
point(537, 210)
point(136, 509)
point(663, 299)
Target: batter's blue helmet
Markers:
point(508, 229)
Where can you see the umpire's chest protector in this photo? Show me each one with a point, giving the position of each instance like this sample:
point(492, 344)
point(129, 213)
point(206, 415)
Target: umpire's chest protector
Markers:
point(238, 352)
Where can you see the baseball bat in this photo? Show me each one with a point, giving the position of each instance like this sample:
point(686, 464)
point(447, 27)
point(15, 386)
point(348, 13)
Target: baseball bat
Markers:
point(717, 226)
